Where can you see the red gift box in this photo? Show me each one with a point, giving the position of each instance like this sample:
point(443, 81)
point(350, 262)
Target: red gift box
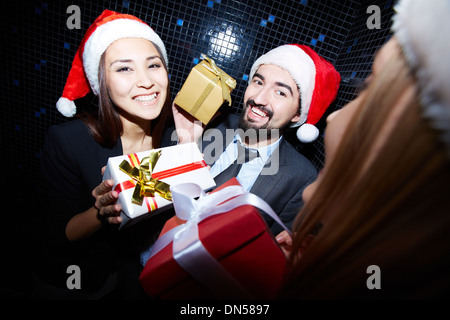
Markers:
point(240, 241)
point(175, 221)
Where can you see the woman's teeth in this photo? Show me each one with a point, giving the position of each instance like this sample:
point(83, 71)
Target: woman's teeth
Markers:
point(259, 112)
point(146, 98)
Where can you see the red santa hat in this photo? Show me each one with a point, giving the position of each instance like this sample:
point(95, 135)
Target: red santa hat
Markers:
point(107, 28)
point(316, 78)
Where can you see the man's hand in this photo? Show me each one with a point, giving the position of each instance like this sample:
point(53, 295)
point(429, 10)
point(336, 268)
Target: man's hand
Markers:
point(189, 129)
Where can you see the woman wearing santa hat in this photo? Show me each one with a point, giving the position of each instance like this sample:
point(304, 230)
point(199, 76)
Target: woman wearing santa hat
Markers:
point(123, 62)
point(382, 200)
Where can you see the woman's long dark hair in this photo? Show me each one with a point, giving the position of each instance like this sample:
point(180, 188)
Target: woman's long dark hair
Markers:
point(105, 125)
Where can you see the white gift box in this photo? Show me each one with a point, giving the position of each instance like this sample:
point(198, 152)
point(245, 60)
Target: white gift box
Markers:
point(176, 165)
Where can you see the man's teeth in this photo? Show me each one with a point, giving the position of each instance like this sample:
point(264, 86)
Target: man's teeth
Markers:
point(259, 112)
point(146, 98)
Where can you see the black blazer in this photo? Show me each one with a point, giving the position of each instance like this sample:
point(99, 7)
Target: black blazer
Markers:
point(71, 164)
point(70, 168)
point(282, 190)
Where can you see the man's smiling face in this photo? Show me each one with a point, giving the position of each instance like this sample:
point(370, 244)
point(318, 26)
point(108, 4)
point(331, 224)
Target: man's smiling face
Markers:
point(271, 100)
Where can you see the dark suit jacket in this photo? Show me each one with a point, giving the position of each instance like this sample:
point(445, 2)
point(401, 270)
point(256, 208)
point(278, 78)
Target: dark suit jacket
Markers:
point(281, 190)
point(71, 164)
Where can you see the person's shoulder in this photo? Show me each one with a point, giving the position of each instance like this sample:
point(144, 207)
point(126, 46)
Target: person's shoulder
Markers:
point(225, 120)
point(69, 133)
point(71, 125)
point(296, 158)
point(73, 128)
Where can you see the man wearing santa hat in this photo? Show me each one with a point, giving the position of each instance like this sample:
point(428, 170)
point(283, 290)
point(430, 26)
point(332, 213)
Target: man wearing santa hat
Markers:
point(289, 86)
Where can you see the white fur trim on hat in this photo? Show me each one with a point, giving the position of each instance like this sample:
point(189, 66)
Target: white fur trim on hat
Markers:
point(301, 68)
point(105, 35)
point(421, 28)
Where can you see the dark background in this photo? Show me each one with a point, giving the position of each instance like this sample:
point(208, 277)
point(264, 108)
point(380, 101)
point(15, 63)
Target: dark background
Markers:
point(37, 50)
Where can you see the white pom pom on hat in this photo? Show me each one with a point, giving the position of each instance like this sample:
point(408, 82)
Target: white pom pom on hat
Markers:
point(107, 28)
point(317, 80)
point(66, 107)
point(307, 132)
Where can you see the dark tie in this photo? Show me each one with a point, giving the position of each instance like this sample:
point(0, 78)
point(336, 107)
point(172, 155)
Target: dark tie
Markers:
point(244, 155)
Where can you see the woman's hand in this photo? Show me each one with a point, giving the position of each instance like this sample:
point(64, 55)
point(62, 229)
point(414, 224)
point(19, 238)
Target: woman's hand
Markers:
point(285, 242)
point(188, 128)
point(105, 209)
point(105, 202)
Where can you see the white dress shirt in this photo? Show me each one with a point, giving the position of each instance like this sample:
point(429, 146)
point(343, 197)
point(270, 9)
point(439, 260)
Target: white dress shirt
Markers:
point(250, 170)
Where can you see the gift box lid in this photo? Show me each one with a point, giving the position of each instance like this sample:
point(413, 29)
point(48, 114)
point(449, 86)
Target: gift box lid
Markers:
point(175, 221)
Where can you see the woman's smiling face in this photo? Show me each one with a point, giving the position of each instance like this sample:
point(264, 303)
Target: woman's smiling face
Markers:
point(136, 78)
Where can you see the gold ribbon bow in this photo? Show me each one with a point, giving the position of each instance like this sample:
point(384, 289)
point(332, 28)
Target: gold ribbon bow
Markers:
point(146, 186)
point(227, 82)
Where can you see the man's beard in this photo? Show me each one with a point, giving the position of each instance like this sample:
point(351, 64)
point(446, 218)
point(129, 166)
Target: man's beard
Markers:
point(263, 131)
point(245, 124)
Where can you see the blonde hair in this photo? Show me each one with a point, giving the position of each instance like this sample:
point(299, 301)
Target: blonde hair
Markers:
point(395, 213)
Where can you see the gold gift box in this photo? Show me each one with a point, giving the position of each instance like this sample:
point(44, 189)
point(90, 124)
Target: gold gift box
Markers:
point(205, 90)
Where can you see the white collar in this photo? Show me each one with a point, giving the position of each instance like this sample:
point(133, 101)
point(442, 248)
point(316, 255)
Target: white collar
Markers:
point(265, 151)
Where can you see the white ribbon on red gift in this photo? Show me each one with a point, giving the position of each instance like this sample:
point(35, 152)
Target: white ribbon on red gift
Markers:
point(191, 203)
